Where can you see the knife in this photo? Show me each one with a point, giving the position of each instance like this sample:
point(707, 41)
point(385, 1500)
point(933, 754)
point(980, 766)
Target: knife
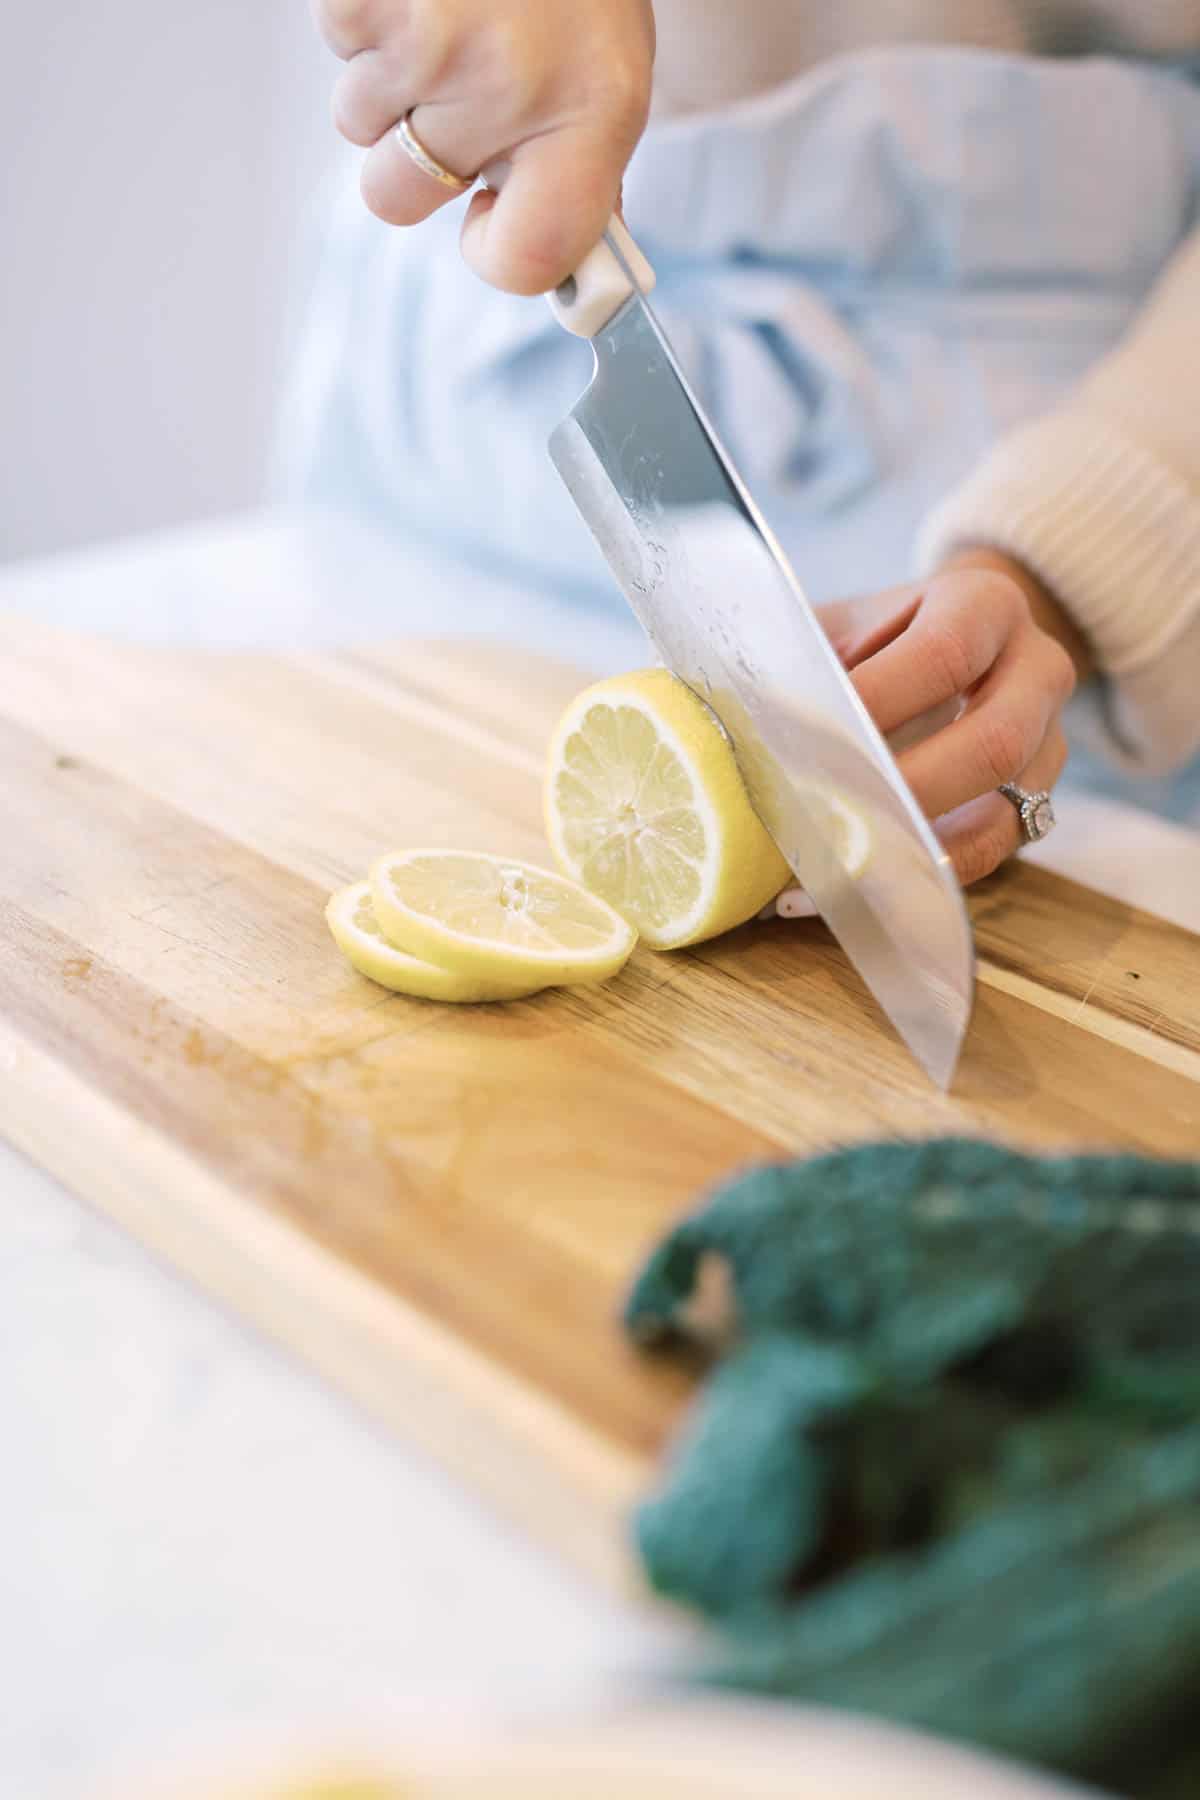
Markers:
point(723, 609)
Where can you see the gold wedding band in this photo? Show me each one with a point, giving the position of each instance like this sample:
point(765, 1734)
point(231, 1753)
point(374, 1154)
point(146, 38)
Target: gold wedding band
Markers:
point(429, 165)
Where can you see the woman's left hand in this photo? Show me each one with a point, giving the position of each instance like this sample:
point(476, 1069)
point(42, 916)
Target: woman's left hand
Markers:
point(985, 633)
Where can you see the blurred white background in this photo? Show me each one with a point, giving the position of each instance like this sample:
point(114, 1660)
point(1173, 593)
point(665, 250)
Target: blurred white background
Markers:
point(160, 168)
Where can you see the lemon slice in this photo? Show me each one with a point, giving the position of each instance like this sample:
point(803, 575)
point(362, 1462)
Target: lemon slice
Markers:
point(495, 919)
point(356, 931)
point(645, 806)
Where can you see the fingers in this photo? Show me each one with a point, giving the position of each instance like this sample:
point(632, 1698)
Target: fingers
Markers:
point(558, 194)
point(958, 628)
point(1001, 730)
point(369, 97)
point(557, 95)
point(977, 837)
point(344, 24)
point(396, 188)
point(969, 633)
point(352, 26)
point(864, 624)
point(554, 206)
point(793, 903)
point(983, 834)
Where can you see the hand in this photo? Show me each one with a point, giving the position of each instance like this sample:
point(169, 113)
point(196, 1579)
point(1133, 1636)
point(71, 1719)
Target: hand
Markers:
point(985, 634)
point(559, 92)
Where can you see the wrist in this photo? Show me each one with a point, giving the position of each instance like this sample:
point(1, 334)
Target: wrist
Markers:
point(1047, 611)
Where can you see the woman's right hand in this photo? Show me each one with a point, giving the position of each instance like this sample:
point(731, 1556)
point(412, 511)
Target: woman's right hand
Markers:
point(558, 91)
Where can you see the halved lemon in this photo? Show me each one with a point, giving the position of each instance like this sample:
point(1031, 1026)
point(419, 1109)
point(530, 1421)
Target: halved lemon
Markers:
point(351, 918)
point(645, 805)
point(497, 920)
point(844, 827)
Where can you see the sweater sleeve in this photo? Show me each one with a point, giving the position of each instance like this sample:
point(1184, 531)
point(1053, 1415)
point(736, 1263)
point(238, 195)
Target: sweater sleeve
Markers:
point(1101, 500)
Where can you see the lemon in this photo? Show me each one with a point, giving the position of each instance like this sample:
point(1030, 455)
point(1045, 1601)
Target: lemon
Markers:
point(645, 805)
point(493, 919)
point(844, 827)
point(356, 931)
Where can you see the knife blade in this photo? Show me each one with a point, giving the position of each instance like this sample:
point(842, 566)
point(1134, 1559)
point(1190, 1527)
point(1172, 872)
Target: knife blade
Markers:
point(725, 612)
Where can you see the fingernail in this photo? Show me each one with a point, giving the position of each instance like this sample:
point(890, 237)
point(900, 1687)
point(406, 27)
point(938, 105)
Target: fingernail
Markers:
point(795, 904)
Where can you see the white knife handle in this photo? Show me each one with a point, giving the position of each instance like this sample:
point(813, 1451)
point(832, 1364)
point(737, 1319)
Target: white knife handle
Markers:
point(587, 300)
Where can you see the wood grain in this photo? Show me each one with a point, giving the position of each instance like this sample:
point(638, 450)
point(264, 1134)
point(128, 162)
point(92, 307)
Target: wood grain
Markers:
point(441, 1208)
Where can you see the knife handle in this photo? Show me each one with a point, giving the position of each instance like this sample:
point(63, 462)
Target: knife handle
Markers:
point(607, 276)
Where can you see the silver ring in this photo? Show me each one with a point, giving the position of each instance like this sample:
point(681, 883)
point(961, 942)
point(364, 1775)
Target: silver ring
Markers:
point(429, 165)
point(1035, 811)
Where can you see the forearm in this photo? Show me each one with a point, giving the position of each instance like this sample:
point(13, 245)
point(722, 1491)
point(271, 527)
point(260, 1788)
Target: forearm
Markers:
point(1098, 505)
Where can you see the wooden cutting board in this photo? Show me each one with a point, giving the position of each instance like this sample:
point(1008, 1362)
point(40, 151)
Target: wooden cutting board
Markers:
point(710, 1748)
point(441, 1208)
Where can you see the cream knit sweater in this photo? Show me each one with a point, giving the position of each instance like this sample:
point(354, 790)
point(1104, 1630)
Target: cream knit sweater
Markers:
point(1101, 499)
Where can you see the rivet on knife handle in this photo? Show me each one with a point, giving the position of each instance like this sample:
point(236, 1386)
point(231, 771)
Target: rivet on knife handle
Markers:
point(587, 300)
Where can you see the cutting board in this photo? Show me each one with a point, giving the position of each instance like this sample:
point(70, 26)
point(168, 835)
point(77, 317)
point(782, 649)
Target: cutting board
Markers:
point(706, 1749)
point(442, 1208)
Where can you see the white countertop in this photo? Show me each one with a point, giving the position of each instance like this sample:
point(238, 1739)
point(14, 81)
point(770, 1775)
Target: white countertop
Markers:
point(203, 1546)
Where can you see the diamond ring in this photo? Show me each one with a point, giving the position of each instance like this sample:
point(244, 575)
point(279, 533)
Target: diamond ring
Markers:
point(1035, 811)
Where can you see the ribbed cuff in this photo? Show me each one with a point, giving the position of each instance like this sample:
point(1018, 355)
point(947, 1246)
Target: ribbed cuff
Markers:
point(1115, 535)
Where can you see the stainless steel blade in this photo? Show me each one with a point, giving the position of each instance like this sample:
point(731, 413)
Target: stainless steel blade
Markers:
point(722, 607)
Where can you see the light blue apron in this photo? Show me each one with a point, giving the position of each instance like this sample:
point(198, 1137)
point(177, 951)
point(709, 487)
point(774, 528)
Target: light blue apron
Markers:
point(870, 274)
